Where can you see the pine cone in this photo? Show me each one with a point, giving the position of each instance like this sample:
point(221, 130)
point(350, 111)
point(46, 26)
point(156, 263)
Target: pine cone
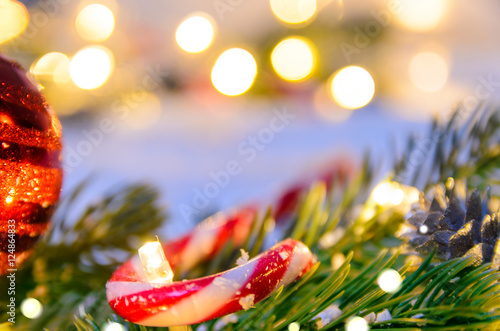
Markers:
point(444, 225)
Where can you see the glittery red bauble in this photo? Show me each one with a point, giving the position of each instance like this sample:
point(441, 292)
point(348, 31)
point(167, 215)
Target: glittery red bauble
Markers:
point(30, 165)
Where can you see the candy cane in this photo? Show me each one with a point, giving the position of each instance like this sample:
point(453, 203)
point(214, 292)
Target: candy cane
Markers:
point(195, 301)
point(208, 238)
point(198, 300)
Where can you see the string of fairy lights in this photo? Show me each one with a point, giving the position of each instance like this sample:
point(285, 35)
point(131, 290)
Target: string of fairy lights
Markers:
point(294, 59)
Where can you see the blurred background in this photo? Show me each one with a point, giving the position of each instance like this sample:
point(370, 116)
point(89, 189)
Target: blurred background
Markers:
point(223, 102)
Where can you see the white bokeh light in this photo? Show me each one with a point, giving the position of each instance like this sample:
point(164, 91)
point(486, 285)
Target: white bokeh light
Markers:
point(356, 324)
point(195, 33)
point(95, 22)
point(293, 11)
point(424, 229)
point(389, 280)
point(388, 193)
point(293, 58)
point(91, 67)
point(352, 87)
point(31, 308)
point(234, 72)
point(113, 326)
point(53, 66)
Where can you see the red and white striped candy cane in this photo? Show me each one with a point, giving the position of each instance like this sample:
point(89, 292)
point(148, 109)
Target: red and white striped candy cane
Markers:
point(198, 300)
point(208, 238)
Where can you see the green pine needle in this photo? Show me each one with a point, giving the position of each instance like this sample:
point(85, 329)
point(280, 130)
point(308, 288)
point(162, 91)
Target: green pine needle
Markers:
point(451, 295)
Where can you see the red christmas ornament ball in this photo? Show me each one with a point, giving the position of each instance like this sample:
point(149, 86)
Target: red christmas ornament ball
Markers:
point(30, 165)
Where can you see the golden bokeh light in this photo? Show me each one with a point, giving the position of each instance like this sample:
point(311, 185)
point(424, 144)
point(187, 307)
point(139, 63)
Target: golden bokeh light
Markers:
point(95, 22)
point(421, 15)
point(13, 19)
point(91, 67)
point(428, 71)
point(388, 193)
point(389, 281)
point(195, 33)
point(352, 87)
point(113, 326)
point(54, 67)
point(356, 324)
point(31, 308)
point(293, 58)
point(294, 326)
point(293, 11)
point(391, 193)
point(234, 72)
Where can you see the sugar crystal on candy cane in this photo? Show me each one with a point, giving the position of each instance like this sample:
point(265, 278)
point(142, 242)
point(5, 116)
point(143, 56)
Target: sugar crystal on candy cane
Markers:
point(247, 302)
point(155, 264)
point(243, 259)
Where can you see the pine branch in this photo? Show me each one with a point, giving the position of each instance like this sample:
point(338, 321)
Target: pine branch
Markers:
point(64, 272)
point(465, 147)
point(451, 295)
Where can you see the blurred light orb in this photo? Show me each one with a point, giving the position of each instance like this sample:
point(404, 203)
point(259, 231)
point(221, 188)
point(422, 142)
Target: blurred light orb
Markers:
point(53, 66)
point(91, 67)
point(31, 308)
point(293, 59)
point(388, 193)
point(234, 72)
point(352, 87)
point(421, 15)
point(356, 324)
point(389, 281)
point(428, 71)
point(95, 22)
point(13, 19)
point(293, 11)
point(294, 326)
point(424, 229)
point(113, 326)
point(195, 33)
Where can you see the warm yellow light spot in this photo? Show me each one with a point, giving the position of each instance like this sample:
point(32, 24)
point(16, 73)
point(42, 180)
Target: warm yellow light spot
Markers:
point(421, 15)
point(352, 87)
point(61, 74)
point(145, 110)
point(13, 19)
point(356, 324)
point(91, 67)
point(388, 193)
point(293, 11)
point(294, 326)
point(234, 72)
point(428, 71)
point(113, 326)
point(389, 281)
point(155, 264)
point(9, 199)
point(367, 213)
point(52, 66)
point(95, 22)
point(31, 308)
point(293, 59)
point(195, 33)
